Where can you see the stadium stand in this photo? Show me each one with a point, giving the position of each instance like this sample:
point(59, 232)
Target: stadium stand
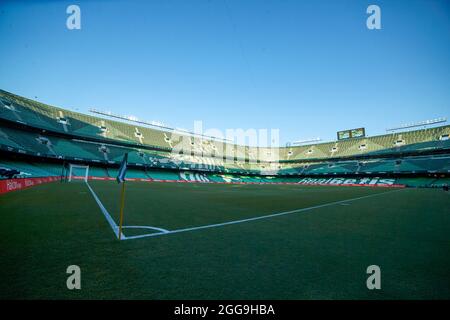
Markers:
point(33, 129)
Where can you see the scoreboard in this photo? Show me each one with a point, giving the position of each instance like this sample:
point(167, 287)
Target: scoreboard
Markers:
point(352, 133)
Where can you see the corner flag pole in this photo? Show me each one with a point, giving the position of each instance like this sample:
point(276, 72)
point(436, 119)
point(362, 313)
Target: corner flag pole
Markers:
point(122, 203)
point(121, 179)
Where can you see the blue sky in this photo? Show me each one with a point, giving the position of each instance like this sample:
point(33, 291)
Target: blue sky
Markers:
point(308, 68)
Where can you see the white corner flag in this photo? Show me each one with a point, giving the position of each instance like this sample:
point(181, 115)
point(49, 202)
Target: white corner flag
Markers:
point(121, 179)
point(123, 169)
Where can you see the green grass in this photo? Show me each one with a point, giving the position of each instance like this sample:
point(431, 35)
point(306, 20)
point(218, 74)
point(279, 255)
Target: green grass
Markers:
point(318, 254)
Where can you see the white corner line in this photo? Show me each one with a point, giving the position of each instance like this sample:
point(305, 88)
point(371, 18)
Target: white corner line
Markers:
point(146, 227)
point(257, 218)
point(105, 212)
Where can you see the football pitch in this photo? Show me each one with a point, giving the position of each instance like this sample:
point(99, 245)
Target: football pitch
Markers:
point(220, 241)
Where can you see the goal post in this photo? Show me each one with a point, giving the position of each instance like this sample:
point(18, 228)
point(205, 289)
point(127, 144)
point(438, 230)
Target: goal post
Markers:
point(78, 172)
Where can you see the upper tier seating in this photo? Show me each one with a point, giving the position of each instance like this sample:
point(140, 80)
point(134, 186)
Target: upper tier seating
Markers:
point(38, 115)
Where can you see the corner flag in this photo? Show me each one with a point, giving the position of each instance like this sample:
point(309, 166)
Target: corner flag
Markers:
point(121, 179)
point(123, 169)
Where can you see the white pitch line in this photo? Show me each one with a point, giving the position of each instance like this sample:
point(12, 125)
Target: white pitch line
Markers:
point(146, 227)
point(257, 218)
point(106, 214)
